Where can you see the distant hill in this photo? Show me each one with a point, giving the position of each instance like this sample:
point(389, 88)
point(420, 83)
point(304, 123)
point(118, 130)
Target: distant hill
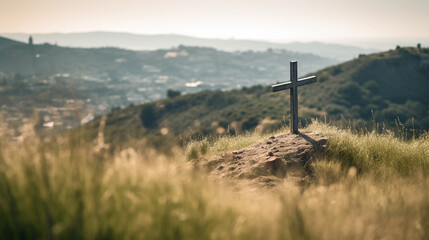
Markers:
point(6, 43)
point(390, 84)
point(184, 64)
point(50, 59)
point(153, 42)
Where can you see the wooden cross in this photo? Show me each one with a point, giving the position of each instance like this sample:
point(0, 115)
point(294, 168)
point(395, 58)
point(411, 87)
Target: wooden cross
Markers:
point(293, 85)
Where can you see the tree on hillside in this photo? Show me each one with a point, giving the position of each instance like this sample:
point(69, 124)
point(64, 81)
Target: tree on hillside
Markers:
point(148, 115)
point(173, 93)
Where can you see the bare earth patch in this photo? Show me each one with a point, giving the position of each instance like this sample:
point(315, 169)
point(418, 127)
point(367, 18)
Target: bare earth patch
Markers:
point(282, 157)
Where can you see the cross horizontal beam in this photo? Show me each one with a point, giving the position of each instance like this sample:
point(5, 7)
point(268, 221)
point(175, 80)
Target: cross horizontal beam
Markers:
point(287, 85)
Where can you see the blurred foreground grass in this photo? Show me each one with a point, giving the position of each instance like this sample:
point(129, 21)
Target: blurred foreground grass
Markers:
point(368, 186)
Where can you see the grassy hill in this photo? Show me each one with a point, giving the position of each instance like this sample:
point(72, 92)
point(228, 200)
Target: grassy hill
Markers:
point(380, 87)
point(366, 186)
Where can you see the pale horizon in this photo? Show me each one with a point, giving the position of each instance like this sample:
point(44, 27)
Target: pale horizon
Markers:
point(369, 43)
point(271, 20)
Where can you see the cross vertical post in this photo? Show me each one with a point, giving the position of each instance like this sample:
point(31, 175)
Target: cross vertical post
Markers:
point(294, 97)
point(293, 85)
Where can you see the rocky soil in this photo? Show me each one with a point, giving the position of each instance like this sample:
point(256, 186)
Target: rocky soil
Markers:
point(282, 157)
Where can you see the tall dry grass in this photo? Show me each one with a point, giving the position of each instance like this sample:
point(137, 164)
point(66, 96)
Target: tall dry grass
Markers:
point(64, 190)
point(381, 155)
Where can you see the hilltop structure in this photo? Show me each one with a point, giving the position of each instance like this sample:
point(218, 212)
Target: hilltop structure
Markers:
point(293, 85)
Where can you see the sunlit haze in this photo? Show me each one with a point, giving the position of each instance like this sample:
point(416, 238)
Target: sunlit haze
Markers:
point(275, 20)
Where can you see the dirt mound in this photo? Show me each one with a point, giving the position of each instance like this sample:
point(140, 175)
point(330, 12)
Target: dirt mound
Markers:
point(271, 160)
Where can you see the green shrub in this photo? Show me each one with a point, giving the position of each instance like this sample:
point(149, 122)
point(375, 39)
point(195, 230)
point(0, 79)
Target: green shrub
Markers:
point(149, 115)
point(173, 93)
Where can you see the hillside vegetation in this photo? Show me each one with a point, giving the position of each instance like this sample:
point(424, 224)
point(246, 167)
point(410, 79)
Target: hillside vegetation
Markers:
point(388, 88)
point(367, 186)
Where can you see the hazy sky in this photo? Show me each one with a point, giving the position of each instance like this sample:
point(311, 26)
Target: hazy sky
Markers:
point(304, 20)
